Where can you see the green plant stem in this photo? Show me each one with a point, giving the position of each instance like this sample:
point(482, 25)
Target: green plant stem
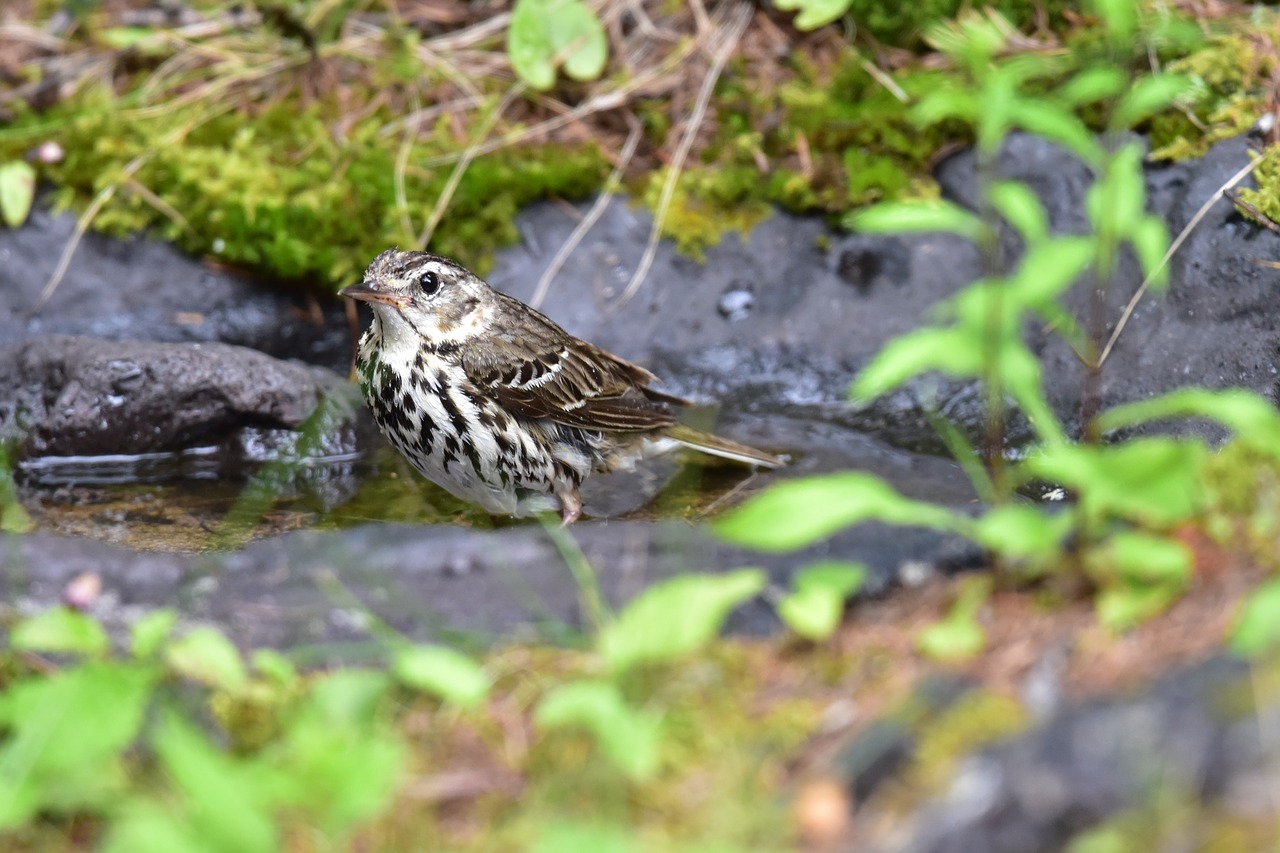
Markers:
point(993, 340)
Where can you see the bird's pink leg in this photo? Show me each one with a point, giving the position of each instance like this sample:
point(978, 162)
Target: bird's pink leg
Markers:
point(570, 507)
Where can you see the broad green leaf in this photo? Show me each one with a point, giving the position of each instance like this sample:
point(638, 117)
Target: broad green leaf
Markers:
point(1115, 202)
point(1150, 239)
point(1021, 531)
point(1053, 122)
point(628, 737)
point(61, 630)
point(958, 636)
point(225, 800)
point(1093, 84)
point(798, 513)
point(350, 697)
point(65, 735)
point(275, 666)
point(1257, 627)
point(17, 191)
point(946, 103)
point(442, 672)
point(582, 835)
point(1125, 606)
point(952, 351)
point(1144, 559)
point(1120, 18)
point(1051, 266)
point(1021, 209)
point(1154, 481)
point(813, 609)
point(1252, 418)
point(901, 217)
point(207, 656)
point(150, 632)
point(814, 13)
point(1148, 96)
point(675, 617)
point(545, 34)
point(148, 826)
point(340, 772)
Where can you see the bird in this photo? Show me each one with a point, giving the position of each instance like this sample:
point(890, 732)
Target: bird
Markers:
point(490, 399)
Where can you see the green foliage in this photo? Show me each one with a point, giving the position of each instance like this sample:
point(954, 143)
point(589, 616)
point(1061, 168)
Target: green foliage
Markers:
point(17, 191)
point(73, 741)
point(674, 618)
point(1257, 627)
point(441, 672)
point(1125, 495)
point(816, 602)
point(628, 737)
point(546, 34)
point(61, 630)
point(958, 635)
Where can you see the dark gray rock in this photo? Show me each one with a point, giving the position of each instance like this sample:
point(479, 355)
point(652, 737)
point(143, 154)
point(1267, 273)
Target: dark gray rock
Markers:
point(322, 587)
point(141, 289)
point(74, 396)
point(1195, 736)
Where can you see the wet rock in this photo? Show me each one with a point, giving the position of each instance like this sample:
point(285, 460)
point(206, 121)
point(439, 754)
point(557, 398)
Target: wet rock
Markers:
point(142, 289)
point(427, 581)
point(1090, 762)
point(76, 396)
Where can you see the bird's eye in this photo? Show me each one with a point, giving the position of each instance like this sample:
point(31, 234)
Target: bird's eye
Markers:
point(430, 282)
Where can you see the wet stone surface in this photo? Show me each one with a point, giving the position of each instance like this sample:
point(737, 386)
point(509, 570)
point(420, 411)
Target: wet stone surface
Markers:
point(765, 335)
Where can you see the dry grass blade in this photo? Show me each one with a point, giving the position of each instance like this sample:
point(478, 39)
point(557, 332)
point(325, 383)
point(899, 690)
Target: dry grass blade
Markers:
point(593, 215)
point(471, 152)
point(1173, 247)
point(739, 18)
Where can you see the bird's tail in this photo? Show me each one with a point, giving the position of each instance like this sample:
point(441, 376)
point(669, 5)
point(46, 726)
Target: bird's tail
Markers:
point(717, 446)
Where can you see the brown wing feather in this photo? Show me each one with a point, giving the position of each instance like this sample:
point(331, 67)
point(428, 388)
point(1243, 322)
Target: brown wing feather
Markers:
point(538, 370)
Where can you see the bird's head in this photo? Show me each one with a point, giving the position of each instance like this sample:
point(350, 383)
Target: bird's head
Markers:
point(439, 299)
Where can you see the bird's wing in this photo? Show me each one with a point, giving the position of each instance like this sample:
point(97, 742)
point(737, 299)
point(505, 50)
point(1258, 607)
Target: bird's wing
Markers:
point(538, 370)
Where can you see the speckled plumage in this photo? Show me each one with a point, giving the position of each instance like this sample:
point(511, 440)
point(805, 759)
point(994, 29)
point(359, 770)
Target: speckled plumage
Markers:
point(496, 403)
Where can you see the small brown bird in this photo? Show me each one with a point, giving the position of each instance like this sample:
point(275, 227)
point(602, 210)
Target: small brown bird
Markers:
point(493, 401)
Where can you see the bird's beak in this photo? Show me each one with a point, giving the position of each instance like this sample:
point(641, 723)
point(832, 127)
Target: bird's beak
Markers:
point(367, 291)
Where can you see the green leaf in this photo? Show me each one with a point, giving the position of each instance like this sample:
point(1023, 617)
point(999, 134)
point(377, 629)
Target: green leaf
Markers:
point(1093, 84)
point(149, 632)
point(1148, 96)
point(902, 217)
point(1120, 18)
point(1125, 606)
point(275, 666)
point(1257, 627)
point(949, 350)
point(217, 788)
point(814, 13)
point(1115, 202)
point(350, 697)
point(798, 513)
point(1019, 531)
point(207, 656)
point(675, 617)
point(628, 737)
point(65, 735)
point(17, 191)
point(814, 608)
point(946, 103)
point(1144, 559)
point(1154, 481)
point(958, 636)
point(1251, 417)
point(61, 630)
point(584, 836)
point(547, 33)
point(442, 672)
point(1150, 239)
point(1051, 266)
point(1020, 208)
point(1053, 122)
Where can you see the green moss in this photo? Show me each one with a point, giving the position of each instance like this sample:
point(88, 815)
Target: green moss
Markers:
point(975, 720)
point(707, 203)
